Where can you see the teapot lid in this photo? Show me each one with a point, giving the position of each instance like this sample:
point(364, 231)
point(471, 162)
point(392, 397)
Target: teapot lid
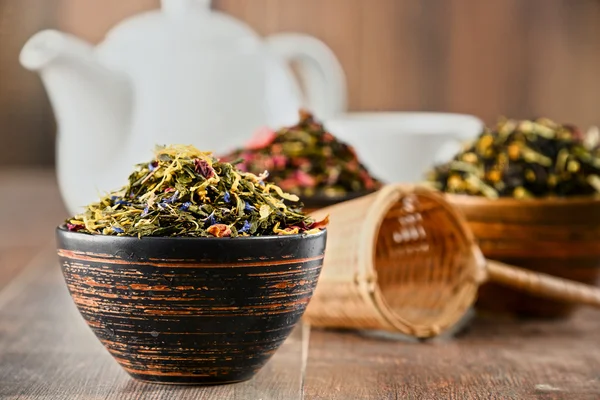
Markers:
point(189, 19)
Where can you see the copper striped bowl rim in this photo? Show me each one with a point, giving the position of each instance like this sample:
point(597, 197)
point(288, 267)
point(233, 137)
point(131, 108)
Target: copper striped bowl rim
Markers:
point(531, 202)
point(63, 229)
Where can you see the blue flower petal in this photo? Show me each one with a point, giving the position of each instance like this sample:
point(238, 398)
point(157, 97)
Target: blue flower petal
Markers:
point(246, 227)
point(227, 197)
point(118, 230)
point(185, 206)
point(173, 198)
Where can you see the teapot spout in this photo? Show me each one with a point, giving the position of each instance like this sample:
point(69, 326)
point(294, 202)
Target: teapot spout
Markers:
point(84, 93)
point(92, 105)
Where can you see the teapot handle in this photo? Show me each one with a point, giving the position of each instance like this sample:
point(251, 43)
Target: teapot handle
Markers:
point(322, 75)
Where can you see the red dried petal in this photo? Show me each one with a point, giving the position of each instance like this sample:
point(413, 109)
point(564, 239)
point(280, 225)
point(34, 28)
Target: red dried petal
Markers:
point(328, 137)
point(352, 166)
point(304, 179)
point(203, 168)
point(266, 164)
point(320, 224)
point(248, 156)
point(74, 228)
point(576, 132)
point(288, 184)
point(306, 117)
point(219, 230)
point(352, 151)
point(368, 181)
point(300, 161)
point(279, 161)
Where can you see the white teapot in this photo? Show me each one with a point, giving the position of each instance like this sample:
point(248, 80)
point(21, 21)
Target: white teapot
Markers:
point(183, 74)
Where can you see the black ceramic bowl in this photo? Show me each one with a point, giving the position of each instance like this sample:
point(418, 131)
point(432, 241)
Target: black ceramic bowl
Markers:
point(191, 310)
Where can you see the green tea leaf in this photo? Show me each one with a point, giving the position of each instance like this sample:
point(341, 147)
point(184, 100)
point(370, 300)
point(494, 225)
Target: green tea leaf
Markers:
point(186, 192)
point(523, 159)
point(305, 160)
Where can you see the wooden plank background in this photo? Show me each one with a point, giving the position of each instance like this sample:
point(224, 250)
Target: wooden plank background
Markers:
point(489, 58)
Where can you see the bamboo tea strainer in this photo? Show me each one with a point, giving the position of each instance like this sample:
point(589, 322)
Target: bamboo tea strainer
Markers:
point(403, 260)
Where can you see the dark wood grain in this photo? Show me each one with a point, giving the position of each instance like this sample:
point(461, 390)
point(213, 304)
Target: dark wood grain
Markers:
point(30, 208)
point(490, 58)
point(26, 119)
point(493, 359)
point(12, 260)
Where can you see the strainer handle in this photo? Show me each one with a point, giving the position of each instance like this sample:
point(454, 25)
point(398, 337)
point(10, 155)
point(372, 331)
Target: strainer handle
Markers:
point(541, 284)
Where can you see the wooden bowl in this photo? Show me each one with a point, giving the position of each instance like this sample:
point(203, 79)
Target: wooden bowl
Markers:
point(191, 310)
point(558, 236)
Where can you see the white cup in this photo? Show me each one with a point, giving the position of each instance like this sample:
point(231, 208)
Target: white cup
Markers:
point(403, 146)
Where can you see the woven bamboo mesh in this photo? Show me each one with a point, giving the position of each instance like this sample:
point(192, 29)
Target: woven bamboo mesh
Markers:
point(404, 260)
point(392, 263)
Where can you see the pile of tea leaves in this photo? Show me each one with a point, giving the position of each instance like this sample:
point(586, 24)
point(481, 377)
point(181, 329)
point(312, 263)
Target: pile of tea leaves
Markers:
point(186, 192)
point(307, 160)
point(524, 159)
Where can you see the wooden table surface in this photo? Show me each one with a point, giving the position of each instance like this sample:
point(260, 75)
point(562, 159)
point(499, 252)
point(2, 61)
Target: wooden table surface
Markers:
point(47, 351)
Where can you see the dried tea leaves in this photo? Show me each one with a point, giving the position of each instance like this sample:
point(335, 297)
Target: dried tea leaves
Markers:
point(185, 192)
point(306, 160)
point(524, 159)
